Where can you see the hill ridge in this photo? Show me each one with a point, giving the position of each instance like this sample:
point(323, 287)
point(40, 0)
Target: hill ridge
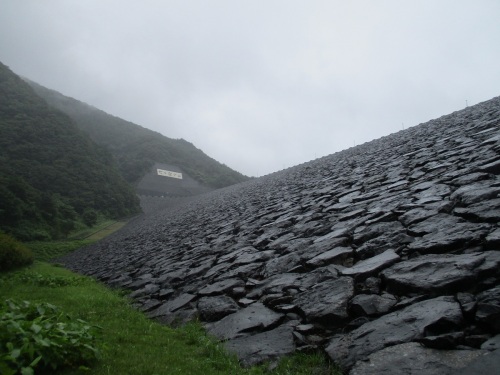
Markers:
point(137, 148)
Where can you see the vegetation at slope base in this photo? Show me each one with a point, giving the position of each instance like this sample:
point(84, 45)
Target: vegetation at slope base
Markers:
point(125, 341)
point(53, 177)
point(136, 149)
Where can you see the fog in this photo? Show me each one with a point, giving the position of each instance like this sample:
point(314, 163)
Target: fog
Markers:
point(260, 85)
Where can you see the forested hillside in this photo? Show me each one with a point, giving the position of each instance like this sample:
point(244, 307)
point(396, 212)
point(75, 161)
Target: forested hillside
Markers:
point(135, 148)
point(52, 175)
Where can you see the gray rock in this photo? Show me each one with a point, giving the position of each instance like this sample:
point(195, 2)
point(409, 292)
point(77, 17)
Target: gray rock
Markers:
point(372, 265)
point(492, 344)
point(281, 264)
point(493, 239)
point(147, 290)
point(276, 284)
point(252, 350)
point(336, 255)
point(380, 244)
point(413, 359)
point(375, 230)
point(416, 215)
point(435, 223)
point(488, 308)
point(454, 237)
point(370, 286)
point(486, 211)
point(220, 287)
point(468, 303)
point(255, 317)
point(372, 304)
point(216, 308)
point(493, 167)
point(484, 364)
point(394, 328)
point(173, 305)
point(470, 178)
point(440, 273)
point(474, 193)
point(245, 255)
point(326, 302)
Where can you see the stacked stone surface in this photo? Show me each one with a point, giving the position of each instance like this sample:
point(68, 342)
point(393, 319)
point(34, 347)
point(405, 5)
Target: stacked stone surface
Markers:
point(390, 249)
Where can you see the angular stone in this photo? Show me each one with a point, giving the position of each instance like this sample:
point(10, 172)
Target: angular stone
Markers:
point(440, 273)
point(416, 215)
point(380, 244)
point(375, 230)
point(436, 223)
point(493, 167)
point(468, 304)
point(475, 193)
point(351, 214)
point(147, 290)
point(448, 340)
point(253, 350)
point(255, 317)
point(372, 265)
point(413, 359)
point(484, 364)
point(470, 178)
point(439, 190)
point(275, 284)
point(216, 308)
point(173, 305)
point(372, 304)
point(370, 286)
point(492, 344)
point(394, 328)
point(281, 264)
point(246, 301)
point(220, 287)
point(326, 302)
point(488, 211)
point(245, 255)
point(488, 308)
point(492, 240)
point(242, 272)
point(449, 238)
point(336, 255)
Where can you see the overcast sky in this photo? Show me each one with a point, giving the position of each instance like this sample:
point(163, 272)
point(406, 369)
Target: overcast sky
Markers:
point(261, 85)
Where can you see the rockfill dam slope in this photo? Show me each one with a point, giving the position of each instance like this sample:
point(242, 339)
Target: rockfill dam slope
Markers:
point(385, 255)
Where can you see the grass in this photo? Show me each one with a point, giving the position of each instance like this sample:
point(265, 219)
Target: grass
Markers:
point(98, 231)
point(132, 344)
point(47, 250)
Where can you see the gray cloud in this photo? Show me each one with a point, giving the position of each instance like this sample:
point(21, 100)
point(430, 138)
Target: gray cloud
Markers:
point(260, 85)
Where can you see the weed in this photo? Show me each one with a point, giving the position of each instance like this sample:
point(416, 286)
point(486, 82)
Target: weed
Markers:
point(40, 336)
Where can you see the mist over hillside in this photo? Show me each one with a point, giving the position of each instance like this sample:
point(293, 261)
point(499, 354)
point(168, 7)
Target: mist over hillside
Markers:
point(136, 148)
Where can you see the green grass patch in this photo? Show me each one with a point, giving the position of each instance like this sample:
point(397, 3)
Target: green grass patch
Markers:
point(129, 342)
point(47, 250)
point(102, 228)
point(105, 231)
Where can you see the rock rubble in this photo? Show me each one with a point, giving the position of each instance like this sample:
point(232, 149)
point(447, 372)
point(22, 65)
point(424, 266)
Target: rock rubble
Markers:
point(386, 248)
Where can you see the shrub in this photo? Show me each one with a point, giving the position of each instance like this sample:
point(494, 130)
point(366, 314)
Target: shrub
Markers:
point(40, 336)
point(13, 254)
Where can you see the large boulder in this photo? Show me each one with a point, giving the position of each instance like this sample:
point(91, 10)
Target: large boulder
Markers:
point(411, 323)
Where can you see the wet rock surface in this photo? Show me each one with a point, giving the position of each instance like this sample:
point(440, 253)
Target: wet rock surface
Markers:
point(389, 247)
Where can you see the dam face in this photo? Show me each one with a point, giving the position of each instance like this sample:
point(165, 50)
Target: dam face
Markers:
point(385, 256)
